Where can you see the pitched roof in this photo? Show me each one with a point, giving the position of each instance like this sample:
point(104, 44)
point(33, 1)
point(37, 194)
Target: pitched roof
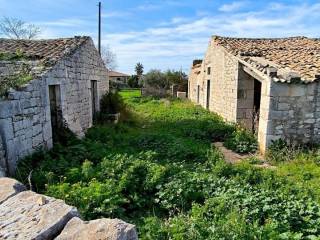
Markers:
point(24, 60)
point(48, 51)
point(117, 74)
point(295, 58)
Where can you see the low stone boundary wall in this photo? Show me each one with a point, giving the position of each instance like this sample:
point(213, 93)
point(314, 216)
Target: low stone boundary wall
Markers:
point(28, 215)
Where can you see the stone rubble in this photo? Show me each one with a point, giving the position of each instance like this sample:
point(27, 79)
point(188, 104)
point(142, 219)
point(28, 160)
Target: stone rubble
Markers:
point(102, 229)
point(27, 215)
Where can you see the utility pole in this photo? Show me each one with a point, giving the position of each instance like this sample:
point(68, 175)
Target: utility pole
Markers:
point(99, 30)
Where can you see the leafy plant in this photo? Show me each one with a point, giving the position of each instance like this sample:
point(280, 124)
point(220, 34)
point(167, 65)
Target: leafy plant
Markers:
point(161, 173)
point(241, 141)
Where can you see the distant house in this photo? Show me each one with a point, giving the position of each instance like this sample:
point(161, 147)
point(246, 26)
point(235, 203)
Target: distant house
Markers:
point(118, 80)
point(45, 84)
point(270, 86)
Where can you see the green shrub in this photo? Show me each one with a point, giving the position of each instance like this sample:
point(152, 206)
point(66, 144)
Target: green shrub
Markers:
point(93, 199)
point(241, 141)
point(111, 103)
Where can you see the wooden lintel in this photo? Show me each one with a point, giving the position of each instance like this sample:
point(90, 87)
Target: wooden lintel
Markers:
point(253, 73)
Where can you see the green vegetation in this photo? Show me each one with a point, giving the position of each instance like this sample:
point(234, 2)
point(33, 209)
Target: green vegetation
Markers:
point(159, 171)
point(14, 81)
point(241, 141)
point(17, 56)
point(18, 79)
point(164, 80)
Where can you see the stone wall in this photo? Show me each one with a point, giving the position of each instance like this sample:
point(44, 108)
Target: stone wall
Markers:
point(223, 78)
point(25, 121)
point(292, 113)
point(28, 215)
point(245, 99)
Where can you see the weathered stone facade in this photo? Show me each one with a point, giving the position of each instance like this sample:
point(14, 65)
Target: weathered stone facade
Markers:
point(251, 90)
point(25, 120)
point(221, 69)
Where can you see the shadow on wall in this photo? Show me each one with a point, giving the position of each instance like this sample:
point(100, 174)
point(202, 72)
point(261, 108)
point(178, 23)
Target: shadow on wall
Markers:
point(3, 163)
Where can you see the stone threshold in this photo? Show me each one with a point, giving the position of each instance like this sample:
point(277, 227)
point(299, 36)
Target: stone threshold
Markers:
point(234, 158)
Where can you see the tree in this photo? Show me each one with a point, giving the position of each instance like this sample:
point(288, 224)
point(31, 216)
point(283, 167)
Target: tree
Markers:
point(176, 77)
point(109, 58)
point(17, 29)
point(164, 80)
point(156, 78)
point(139, 69)
point(133, 81)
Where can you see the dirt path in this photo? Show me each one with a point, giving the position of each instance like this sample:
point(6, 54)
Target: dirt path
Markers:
point(234, 158)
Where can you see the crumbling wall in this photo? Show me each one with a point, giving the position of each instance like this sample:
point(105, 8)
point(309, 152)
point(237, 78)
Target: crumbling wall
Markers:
point(24, 122)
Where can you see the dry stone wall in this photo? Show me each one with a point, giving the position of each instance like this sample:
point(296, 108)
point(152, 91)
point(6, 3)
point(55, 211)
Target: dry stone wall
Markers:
point(25, 121)
point(223, 76)
point(27, 215)
point(292, 113)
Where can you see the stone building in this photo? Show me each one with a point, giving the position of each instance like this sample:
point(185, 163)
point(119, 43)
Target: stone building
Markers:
point(118, 80)
point(270, 86)
point(44, 84)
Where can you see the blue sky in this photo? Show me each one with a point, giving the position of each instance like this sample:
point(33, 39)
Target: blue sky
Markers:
point(166, 33)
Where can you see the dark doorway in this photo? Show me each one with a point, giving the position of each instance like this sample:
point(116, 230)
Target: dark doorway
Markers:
point(94, 97)
point(198, 94)
point(256, 105)
point(208, 94)
point(55, 110)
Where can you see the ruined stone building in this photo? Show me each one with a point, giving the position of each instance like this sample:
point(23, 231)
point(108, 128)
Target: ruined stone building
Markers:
point(118, 79)
point(270, 86)
point(45, 84)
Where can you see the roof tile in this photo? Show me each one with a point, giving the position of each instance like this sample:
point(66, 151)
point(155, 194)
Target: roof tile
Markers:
point(298, 54)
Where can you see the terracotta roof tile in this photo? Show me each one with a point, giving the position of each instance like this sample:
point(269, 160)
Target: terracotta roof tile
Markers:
point(117, 74)
point(300, 55)
point(48, 51)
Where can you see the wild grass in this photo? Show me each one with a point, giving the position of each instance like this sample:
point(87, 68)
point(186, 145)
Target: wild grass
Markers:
point(160, 172)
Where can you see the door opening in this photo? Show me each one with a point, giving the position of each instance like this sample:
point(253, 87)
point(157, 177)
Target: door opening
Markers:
point(94, 98)
point(208, 94)
point(198, 94)
point(256, 106)
point(55, 110)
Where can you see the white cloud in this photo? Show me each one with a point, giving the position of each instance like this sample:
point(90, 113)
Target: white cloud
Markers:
point(66, 22)
point(232, 6)
point(148, 6)
point(116, 14)
point(181, 40)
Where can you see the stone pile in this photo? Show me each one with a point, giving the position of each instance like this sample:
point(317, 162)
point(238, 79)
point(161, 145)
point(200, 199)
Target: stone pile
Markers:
point(28, 215)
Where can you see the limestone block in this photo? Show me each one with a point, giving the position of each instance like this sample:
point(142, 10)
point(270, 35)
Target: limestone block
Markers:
point(36, 130)
point(22, 217)
point(101, 229)
point(283, 106)
point(6, 109)
point(9, 187)
point(297, 90)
